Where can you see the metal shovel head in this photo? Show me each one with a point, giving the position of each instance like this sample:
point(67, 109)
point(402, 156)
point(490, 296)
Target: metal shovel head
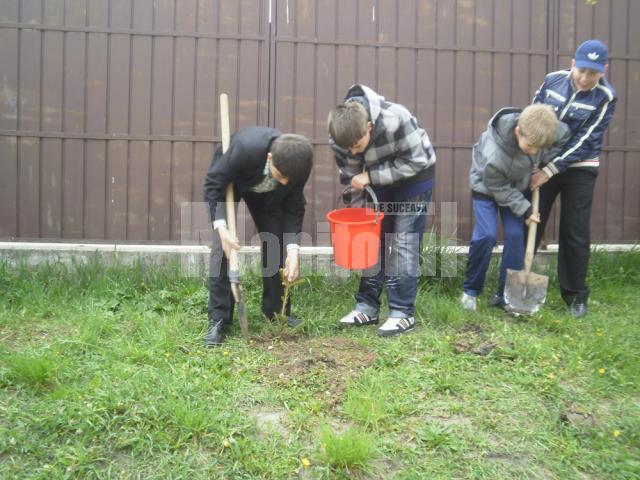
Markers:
point(236, 291)
point(524, 292)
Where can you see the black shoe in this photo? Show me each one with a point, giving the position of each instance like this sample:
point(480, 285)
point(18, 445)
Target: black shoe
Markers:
point(498, 302)
point(578, 309)
point(495, 301)
point(293, 321)
point(215, 333)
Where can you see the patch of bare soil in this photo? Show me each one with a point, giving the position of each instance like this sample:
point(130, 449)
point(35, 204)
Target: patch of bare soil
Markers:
point(577, 418)
point(472, 339)
point(268, 421)
point(323, 364)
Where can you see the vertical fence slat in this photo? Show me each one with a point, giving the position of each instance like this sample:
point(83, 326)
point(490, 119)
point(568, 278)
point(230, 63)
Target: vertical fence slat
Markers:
point(9, 41)
point(96, 122)
point(116, 211)
point(51, 121)
point(327, 94)
point(29, 187)
point(50, 185)
point(9, 11)
point(181, 178)
point(159, 190)
point(631, 225)
point(96, 195)
point(8, 187)
point(203, 155)
point(184, 92)
point(73, 189)
point(138, 191)
point(206, 107)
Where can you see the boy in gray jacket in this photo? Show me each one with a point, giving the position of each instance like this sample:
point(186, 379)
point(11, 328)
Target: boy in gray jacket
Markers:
point(502, 163)
point(380, 143)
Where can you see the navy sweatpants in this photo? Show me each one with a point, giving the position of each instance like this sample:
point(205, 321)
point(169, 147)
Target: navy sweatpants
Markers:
point(483, 240)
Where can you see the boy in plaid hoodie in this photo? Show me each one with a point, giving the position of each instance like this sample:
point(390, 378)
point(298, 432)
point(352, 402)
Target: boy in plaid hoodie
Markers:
point(381, 144)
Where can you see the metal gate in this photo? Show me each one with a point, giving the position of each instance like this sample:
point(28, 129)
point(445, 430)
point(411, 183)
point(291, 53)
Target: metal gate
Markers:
point(108, 108)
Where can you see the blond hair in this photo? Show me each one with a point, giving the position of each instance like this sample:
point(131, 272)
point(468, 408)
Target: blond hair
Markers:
point(347, 124)
point(538, 125)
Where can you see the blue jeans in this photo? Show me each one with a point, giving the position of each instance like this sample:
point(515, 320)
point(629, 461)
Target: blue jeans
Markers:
point(398, 265)
point(483, 240)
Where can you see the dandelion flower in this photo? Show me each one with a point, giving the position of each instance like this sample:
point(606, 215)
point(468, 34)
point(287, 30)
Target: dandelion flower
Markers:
point(601, 371)
point(305, 462)
point(225, 354)
point(616, 433)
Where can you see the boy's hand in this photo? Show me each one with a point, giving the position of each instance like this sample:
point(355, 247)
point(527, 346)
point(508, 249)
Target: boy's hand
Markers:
point(538, 179)
point(535, 217)
point(291, 269)
point(228, 241)
point(360, 181)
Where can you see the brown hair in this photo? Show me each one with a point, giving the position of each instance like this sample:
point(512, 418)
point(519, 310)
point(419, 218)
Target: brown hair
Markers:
point(347, 124)
point(292, 155)
point(538, 125)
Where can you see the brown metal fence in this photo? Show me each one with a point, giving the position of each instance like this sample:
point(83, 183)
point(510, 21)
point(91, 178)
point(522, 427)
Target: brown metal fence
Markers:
point(108, 108)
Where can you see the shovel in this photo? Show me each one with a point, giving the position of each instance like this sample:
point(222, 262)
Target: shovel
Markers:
point(234, 276)
point(526, 291)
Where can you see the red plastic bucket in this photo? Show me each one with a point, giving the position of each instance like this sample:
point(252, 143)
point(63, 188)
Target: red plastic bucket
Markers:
point(355, 235)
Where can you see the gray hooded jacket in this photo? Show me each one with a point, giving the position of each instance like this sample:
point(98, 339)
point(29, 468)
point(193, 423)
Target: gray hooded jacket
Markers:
point(500, 170)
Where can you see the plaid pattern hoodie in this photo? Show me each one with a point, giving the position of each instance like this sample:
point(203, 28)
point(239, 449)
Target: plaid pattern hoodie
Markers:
point(399, 151)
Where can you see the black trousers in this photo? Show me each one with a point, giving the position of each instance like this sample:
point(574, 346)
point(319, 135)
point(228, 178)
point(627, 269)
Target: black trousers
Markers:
point(575, 187)
point(268, 221)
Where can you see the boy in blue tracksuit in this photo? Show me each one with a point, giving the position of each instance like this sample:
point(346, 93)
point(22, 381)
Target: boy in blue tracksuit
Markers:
point(503, 160)
point(583, 99)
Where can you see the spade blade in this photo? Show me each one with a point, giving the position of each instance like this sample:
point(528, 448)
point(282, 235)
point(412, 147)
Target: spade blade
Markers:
point(524, 292)
point(236, 290)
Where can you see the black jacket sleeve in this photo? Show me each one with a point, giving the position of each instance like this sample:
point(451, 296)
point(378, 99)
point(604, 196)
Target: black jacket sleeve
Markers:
point(220, 174)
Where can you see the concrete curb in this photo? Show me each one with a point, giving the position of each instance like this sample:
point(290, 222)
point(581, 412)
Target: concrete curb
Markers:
point(194, 259)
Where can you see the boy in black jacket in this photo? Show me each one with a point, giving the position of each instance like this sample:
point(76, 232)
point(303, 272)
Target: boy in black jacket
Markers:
point(268, 170)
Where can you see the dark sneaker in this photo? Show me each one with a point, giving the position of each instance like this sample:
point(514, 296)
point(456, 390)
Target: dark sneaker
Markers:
point(578, 309)
point(215, 333)
point(496, 302)
point(357, 319)
point(396, 326)
point(293, 321)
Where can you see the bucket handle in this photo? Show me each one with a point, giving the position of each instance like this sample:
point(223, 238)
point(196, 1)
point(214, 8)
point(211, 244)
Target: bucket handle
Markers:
point(371, 193)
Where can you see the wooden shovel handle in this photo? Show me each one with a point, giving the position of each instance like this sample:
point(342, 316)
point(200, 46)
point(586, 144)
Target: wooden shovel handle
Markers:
point(533, 227)
point(231, 214)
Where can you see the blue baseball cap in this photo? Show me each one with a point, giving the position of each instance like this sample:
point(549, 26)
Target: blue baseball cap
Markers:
point(592, 54)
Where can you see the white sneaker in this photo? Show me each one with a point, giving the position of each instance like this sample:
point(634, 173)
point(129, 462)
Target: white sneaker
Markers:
point(468, 302)
point(396, 326)
point(357, 319)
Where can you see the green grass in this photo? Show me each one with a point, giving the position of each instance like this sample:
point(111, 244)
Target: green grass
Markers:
point(352, 449)
point(102, 375)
